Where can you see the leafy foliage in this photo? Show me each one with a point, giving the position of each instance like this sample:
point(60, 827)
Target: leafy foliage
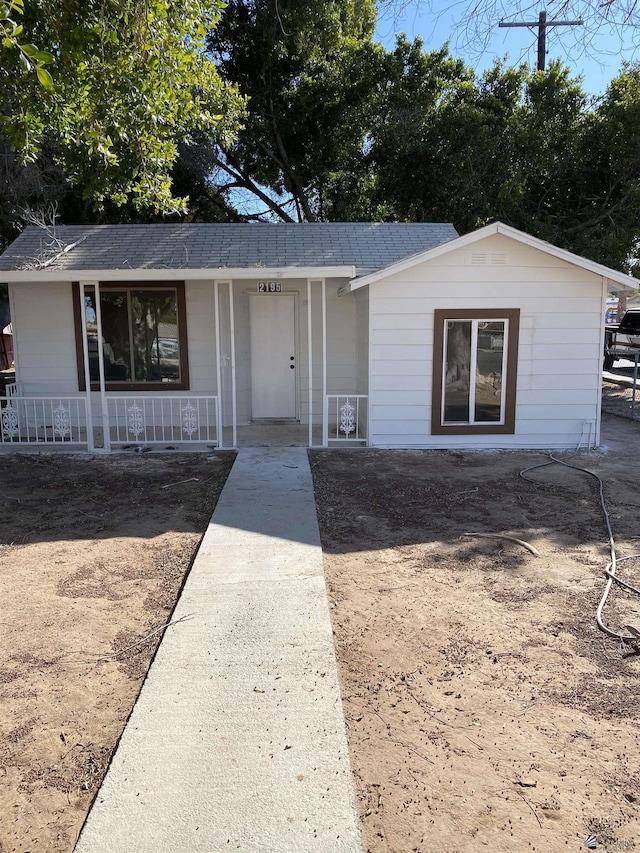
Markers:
point(147, 118)
point(308, 69)
point(524, 147)
point(29, 55)
point(131, 78)
point(339, 129)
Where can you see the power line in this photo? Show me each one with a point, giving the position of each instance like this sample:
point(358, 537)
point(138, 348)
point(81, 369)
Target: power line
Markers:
point(542, 25)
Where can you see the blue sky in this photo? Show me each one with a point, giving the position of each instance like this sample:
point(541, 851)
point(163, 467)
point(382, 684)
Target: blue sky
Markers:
point(596, 53)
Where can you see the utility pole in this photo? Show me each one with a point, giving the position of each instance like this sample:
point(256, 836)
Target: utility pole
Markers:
point(542, 26)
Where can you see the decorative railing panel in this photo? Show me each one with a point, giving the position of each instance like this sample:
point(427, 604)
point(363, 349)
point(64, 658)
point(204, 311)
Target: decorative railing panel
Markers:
point(345, 418)
point(43, 420)
point(163, 420)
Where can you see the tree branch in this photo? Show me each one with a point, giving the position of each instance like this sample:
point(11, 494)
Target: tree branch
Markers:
point(246, 182)
point(298, 189)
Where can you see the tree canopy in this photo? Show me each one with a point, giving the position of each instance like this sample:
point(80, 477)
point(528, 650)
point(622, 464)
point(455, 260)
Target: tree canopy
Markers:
point(526, 147)
point(340, 129)
point(307, 69)
point(129, 79)
point(276, 109)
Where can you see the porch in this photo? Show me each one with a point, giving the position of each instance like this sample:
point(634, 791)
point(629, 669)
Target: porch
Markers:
point(164, 423)
point(188, 364)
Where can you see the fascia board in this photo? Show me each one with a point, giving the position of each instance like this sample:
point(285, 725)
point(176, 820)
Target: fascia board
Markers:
point(614, 277)
point(165, 274)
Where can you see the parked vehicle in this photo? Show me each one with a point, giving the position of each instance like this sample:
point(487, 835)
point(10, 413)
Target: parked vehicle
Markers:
point(622, 340)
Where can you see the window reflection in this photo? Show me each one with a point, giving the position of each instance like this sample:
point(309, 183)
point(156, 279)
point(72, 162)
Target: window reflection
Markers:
point(140, 340)
point(457, 371)
point(473, 368)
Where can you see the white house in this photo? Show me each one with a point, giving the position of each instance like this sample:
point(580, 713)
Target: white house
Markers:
point(389, 334)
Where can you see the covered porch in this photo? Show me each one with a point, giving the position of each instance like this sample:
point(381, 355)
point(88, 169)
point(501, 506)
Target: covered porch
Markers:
point(243, 361)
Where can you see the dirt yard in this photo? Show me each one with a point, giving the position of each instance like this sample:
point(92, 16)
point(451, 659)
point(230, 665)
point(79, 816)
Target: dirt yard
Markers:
point(485, 709)
point(93, 554)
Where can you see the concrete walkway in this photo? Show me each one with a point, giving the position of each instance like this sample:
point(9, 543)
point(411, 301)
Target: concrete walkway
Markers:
point(237, 741)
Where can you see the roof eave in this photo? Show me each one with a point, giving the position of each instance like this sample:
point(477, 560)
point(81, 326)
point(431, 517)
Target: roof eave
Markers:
point(173, 274)
point(615, 280)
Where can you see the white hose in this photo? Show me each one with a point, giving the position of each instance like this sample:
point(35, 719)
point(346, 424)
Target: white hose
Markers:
point(612, 566)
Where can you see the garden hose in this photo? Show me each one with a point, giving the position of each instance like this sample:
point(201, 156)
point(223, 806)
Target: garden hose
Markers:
point(633, 635)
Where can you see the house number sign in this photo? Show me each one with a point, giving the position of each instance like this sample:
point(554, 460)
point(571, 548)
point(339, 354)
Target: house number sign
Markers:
point(269, 287)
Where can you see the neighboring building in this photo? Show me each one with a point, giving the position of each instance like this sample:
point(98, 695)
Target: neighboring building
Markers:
point(397, 335)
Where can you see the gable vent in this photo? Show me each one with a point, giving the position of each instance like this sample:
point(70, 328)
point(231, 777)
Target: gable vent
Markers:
point(478, 259)
point(499, 259)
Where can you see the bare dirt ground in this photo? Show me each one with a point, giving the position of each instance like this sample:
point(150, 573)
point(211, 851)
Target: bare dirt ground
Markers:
point(485, 709)
point(93, 553)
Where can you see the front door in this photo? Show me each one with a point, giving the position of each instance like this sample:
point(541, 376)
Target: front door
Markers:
point(273, 355)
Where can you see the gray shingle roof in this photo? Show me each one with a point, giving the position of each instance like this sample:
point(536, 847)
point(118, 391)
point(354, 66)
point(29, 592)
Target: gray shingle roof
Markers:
point(367, 246)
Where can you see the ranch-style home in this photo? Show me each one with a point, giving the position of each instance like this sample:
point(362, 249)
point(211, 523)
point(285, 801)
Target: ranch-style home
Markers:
point(387, 334)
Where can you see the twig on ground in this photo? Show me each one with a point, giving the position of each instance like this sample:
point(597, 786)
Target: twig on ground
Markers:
point(533, 811)
point(415, 751)
point(180, 482)
point(412, 776)
point(88, 515)
point(104, 658)
point(429, 712)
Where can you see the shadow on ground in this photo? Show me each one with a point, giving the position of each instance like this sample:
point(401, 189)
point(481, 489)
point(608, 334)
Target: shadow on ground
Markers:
point(375, 499)
point(53, 497)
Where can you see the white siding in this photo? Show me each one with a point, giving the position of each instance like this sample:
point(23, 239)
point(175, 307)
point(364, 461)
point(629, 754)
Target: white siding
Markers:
point(342, 357)
point(45, 334)
point(380, 336)
point(201, 332)
point(342, 341)
point(362, 338)
point(342, 345)
point(45, 338)
point(559, 357)
point(243, 353)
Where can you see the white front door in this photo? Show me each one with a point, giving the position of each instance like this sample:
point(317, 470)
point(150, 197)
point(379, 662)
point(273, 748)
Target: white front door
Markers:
point(273, 355)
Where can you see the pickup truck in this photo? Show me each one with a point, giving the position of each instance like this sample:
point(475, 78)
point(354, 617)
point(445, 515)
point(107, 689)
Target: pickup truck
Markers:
point(622, 340)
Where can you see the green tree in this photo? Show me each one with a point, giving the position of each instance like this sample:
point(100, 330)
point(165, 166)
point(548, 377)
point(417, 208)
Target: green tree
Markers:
point(130, 80)
point(310, 71)
point(607, 211)
point(11, 31)
point(524, 147)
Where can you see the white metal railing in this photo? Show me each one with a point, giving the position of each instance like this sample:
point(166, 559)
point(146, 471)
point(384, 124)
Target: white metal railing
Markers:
point(345, 418)
point(13, 389)
point(42, 420)
point(163, 420)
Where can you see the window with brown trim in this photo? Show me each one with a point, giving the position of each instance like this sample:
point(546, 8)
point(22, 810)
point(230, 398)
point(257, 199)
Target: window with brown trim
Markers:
point(144, 336)
point(475, 363)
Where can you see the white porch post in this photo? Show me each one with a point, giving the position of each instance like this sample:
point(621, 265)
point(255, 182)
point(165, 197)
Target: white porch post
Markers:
point(233, 367)
point(87, 373)
point(310, 359)
point(106, 437)
point(216, 299)
point(325, 405)
point(14, 326)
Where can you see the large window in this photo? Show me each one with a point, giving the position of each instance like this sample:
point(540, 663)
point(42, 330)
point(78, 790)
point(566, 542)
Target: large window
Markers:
point(475, 366)
point(143, 336)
